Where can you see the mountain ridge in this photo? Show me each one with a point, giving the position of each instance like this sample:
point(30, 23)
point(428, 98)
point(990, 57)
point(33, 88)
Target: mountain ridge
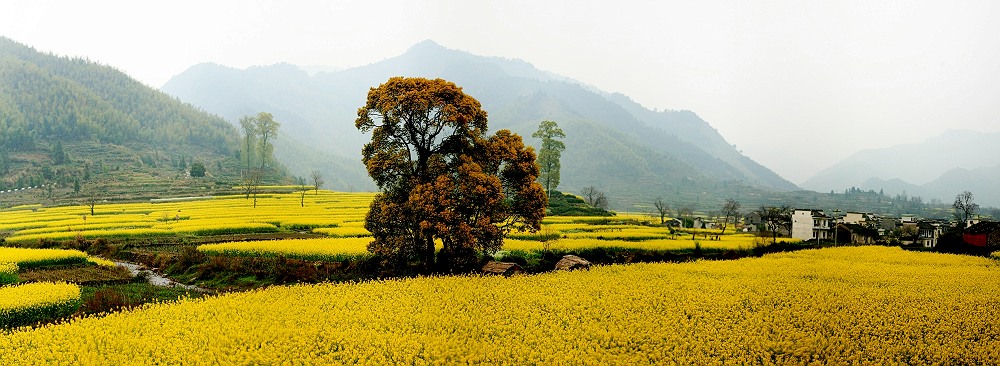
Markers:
point(517, 96)
point(937, 168)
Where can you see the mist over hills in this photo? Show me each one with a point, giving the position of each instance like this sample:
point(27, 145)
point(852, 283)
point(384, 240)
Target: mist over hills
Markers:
point(612, 142)
point(936, 169)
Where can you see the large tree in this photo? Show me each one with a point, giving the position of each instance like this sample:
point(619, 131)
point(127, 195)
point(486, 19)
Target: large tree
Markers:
point(549, 155)
point(257, 130)
point(730, 210)
point(248, 125)
point(442, 180)
point(662, 209)
point(267, 129)
point(964, 206)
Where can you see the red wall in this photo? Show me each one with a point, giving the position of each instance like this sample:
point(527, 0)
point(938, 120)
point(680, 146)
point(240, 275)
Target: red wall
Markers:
point(978, 240)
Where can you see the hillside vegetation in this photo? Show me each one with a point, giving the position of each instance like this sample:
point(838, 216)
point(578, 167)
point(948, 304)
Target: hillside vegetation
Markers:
point(78, 125)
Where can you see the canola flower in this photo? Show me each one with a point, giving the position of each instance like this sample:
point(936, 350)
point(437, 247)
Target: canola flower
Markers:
point(331, 249)
point(98, 261)
point(28, 257)
point(32, 302)
point(682, 242)
point(338, 215)
point(344, 231)
point(211, 216)
point(847, 305)
point(8, 273)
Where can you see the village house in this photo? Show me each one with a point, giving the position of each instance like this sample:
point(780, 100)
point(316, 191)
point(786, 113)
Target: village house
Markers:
point(811, 225)
point(856, 234)
point(930, 232)
point(983, 234)
point(703, 223)
point(860, 218)
point(673, 223)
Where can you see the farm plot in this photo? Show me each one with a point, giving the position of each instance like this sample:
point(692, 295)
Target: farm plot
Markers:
point(226, 215)
point(863, 305)
point(329, 249)
point(33, 302)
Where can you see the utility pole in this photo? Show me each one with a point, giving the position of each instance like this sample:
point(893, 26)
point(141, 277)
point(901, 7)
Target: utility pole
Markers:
point(836, 212)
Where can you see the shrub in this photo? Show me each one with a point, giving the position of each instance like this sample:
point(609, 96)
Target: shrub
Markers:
point(106, 300)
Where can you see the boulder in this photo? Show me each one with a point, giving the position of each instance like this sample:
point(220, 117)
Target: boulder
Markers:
point(571, 262)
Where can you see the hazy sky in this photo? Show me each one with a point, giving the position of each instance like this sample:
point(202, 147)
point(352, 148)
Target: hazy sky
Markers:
point(797, 85)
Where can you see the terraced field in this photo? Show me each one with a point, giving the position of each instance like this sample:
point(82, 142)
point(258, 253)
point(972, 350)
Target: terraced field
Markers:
point(856, 305)
point(339, 216)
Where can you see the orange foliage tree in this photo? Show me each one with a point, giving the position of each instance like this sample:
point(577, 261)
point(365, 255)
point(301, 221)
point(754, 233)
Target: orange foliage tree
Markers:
point(442, 179)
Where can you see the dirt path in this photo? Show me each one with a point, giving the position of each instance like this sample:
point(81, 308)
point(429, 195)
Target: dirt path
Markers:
point(156, 279)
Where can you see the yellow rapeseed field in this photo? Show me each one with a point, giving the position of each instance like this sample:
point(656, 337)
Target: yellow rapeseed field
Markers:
point(27, 303)
point(310, 249)
point(682, 242)
point(338, 215)
point(202, 216)
point(856, 305)
point(26, 257)
point(8, 273)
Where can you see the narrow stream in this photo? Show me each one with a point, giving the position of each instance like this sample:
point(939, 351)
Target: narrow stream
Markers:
point(156, 279)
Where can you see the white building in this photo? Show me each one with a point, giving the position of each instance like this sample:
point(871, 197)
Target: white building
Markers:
point(811, 224)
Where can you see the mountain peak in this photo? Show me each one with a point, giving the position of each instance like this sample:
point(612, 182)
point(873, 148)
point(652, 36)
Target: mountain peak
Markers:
point(426, 45)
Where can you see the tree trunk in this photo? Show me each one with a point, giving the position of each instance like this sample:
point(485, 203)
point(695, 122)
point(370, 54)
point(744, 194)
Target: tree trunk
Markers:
point(428, 254)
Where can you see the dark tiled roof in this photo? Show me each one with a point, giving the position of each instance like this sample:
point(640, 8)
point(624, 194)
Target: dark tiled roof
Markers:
point(984, 227)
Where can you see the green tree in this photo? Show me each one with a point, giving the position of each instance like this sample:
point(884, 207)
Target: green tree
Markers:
point(549, 155)
point(58, 154)
point(4, 161)
point(248, 126)
point(441, 178)
point(267, 129)
point(258, 131)
point(197, 169)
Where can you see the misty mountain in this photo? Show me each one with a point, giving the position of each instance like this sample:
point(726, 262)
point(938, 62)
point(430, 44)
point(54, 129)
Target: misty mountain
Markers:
point(61, 116)
point(982, 182)
point(938, 168)
point(612, 142)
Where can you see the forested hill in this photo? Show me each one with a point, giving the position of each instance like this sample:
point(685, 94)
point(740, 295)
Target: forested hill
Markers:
point(62, 119)
point(45, 98)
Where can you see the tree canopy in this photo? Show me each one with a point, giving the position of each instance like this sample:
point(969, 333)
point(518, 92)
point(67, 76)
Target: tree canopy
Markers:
point(549, 155)
point(442, 179)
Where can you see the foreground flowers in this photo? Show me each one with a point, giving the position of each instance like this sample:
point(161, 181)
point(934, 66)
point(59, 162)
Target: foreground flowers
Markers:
point(29, 303)
point(869, 305)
